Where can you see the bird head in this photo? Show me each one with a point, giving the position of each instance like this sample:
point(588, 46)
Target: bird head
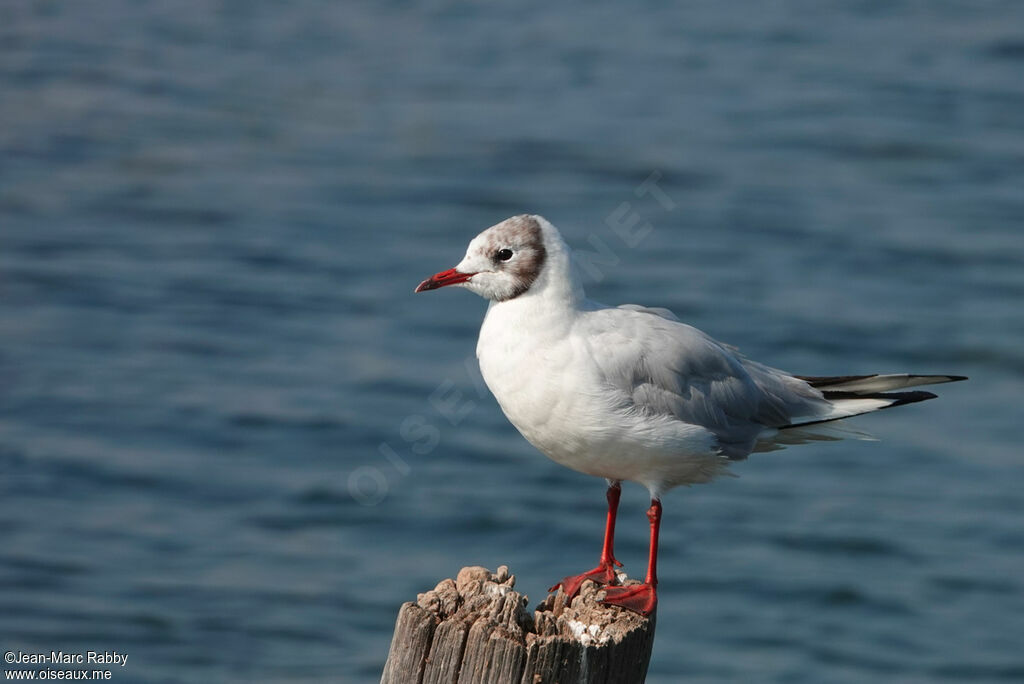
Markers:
point(501, 263)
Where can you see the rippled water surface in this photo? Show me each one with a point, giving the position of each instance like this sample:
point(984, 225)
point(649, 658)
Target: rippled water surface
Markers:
point(223, 449)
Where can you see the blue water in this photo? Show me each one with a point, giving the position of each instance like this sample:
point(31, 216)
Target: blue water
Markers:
point(232, 441)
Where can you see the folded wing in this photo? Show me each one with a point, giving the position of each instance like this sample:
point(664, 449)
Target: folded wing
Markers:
point(657, 366)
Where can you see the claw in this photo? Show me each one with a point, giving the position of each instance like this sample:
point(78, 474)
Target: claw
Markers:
point(603, 574)
point(639, 598)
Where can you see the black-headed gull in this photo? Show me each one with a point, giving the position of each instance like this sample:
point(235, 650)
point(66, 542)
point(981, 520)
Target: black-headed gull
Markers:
point(631, 393)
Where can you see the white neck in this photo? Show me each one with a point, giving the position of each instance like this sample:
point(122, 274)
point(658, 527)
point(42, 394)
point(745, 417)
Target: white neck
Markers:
point(559, 281)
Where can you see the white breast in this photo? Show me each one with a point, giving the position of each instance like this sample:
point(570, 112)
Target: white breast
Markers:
point(554, 394)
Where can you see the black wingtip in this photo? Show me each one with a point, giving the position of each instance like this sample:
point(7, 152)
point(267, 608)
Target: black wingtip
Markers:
point(899, 398)
point(823, 382)
point(907, 397)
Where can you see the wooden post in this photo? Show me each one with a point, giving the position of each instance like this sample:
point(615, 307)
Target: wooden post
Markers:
point(476, 630)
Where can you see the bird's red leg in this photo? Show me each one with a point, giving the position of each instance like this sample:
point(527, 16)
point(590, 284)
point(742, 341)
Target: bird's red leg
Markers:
point(641, 598)
point(604, 573)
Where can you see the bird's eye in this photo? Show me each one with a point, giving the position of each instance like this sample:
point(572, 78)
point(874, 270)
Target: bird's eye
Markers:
point(503, 254)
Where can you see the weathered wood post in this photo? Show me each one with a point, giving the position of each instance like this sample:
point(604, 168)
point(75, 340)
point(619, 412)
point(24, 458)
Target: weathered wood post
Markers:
point(476, 630)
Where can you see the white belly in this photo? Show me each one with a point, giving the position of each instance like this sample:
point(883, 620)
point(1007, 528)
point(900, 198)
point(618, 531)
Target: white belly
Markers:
point(559, 403)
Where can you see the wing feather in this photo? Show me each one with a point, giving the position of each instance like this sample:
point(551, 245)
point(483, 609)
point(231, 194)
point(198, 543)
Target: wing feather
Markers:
point(659, 366)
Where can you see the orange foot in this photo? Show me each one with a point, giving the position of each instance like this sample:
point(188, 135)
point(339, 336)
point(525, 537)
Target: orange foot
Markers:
point(639, 598)
point(603, 574)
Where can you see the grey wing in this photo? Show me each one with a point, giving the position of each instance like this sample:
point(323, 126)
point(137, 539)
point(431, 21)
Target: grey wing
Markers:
point(662, 366)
